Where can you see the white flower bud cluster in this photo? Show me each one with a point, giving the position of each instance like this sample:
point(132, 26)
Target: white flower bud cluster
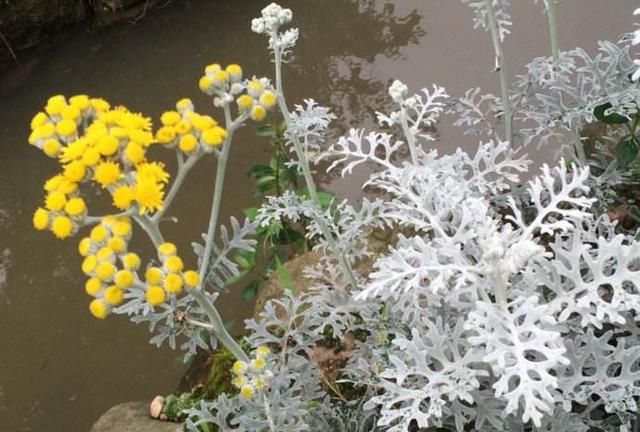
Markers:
point(273, 16)
point(285, 40)
point(398, 91)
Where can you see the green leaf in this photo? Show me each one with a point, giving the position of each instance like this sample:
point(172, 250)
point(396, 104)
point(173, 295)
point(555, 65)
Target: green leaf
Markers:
point(259, 171)
point(613, 118)
point(626, 151)
point(245, 259)
point(325, 199)
point(283, 276)
point(266, 130)
point(251, 213)
point(251, 290)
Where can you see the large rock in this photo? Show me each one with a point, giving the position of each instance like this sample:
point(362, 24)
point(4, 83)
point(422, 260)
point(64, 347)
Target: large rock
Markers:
point(132, 417)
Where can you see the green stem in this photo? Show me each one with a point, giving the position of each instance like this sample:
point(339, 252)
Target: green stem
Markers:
point(306, 171)
point(553, 29)
point(502, 70)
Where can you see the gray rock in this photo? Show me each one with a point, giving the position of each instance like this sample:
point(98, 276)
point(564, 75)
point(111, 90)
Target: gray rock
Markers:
point(132, 417)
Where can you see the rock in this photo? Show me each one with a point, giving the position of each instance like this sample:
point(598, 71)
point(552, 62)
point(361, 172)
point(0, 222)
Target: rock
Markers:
point(132, 417)
point(272, 288)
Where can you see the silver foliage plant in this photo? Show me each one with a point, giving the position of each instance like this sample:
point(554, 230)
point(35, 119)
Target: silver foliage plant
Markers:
point(493, 311)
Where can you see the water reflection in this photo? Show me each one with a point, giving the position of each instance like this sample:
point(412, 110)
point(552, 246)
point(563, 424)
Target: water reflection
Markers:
point(61, 368)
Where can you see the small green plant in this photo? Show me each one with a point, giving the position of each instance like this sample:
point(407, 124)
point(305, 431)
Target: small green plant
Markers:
point(281, 240)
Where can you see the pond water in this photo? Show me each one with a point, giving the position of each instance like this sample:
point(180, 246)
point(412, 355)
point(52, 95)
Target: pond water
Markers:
point(59, 368)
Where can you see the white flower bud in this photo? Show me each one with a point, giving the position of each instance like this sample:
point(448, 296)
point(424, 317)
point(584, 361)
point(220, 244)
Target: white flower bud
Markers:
point(398, 91)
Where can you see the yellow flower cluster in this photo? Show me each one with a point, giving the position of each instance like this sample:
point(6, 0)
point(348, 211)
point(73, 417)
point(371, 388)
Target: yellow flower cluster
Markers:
point(191, 132)
point(227, 83)
point(92, 141)
point(253, 376)
point(110, 268)
point(169, 278)
point(260, 98)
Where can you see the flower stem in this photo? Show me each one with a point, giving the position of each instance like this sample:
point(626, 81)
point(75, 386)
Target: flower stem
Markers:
point(183, 170)
point(306, 171)
point(502, 70)
point(411, 138)
point(553, 29)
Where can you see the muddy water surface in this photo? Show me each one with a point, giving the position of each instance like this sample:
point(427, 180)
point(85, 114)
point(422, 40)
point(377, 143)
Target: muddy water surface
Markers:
point(59, 368)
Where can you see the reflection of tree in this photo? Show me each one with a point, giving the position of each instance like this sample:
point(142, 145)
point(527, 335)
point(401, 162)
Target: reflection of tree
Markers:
point(356, 32)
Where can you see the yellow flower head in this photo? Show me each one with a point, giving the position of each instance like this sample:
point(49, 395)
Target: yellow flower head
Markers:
point(166, 249)
point(258, 363)
point(39, 120)
point(91, 157)
point(268, 99)
point(55, 105)
point(99, 233)
point(173, 264)
point(212, 69)
point(75, 207)
point(247, 391)
point(79, 101)
point(134, 152)
point(258, 113)
point(184, 105)
point(123, 196)
point(255, 87)
point(117, 244)
point(239, 367)
point(149, 194)
point(113, 295)
point(170, 118)
point(155, 295)
point(165, 134)
point(51, 147)
point(40, 219)
point(202, 122)
point(89, 264)
point(173, 283)
point(205, 84)
point(55, 201)
point(188, 143)
point(107, 173)
point(62, 227)
point(99, 105)
point(66, 128)
point(71, 113)
point(183, 127)
point(191, 278)
point(239, 381)
point(93, 286)
point(122, 228)
point(105, 271)
point(220, 78)
point(235, 72)
point(124, 279)
point(106, 254)
point(108, 145)
point(259, 383)
point(74, 150)
point(213, 137)
point(98, 309)
point(245, 102)
point(263, 351)
point(130, 261)
point(153, 275)
point(154, 170)
point(85, 246)
point(74, 171)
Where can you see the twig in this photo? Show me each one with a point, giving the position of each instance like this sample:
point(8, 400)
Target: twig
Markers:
point(143, 13)
point(8, 45)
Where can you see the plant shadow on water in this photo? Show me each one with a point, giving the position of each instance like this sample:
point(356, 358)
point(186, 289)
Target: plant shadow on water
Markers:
point(61, 368)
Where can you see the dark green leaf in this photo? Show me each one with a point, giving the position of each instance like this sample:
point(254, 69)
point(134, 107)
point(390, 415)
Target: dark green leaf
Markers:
point(325, 199)
point(251, 290)
point(266, 130)
point(259, 170)
point(626, 151)
point(613, 118)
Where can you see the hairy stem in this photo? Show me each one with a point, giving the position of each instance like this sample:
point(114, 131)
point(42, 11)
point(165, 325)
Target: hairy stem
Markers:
point(411, 137)
point(306, 171)
point(552, 19)
point(502, 70)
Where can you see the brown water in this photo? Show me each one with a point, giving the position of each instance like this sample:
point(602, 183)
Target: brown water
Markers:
point(59, 368)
